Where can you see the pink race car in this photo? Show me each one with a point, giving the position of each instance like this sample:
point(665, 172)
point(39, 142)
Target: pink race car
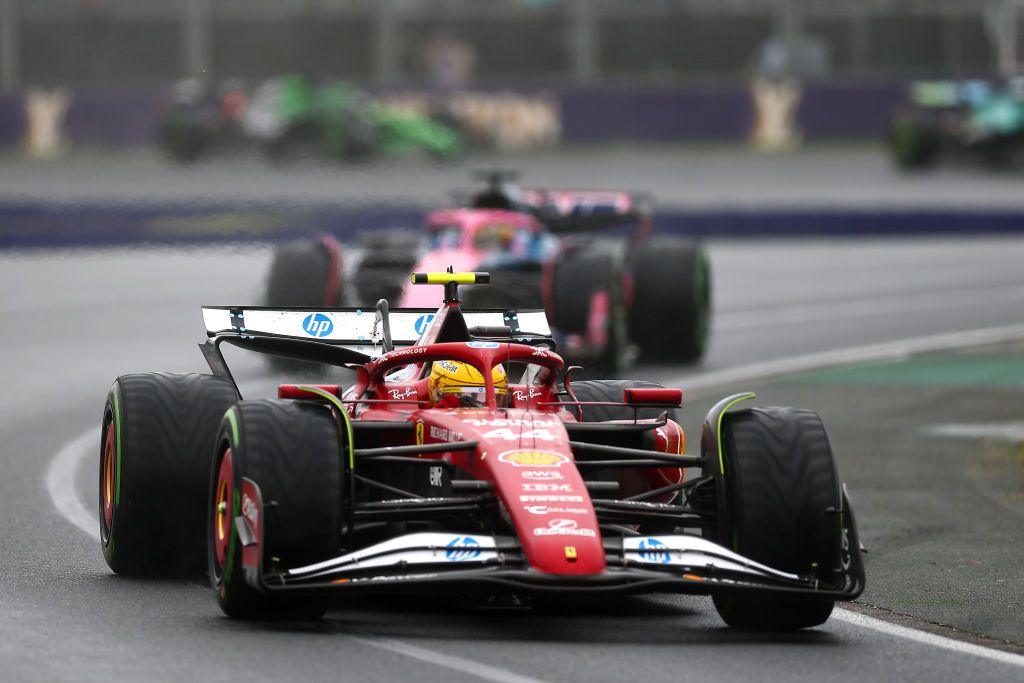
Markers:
point(611, 289)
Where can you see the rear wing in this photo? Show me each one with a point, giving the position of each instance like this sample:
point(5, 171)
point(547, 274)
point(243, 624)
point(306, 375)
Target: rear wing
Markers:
point(559, 210)
point(581, 210)
point(356, 329)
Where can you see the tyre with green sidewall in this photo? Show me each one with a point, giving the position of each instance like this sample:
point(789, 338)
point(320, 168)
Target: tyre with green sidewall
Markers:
point(293, 452)
point(163, 428)
point(670, 317)
point(914, 144)
point(782, 495)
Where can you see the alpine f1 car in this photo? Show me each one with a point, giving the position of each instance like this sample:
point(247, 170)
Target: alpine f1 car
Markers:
point(970, 119)
point(458, 462)
point(608, 296)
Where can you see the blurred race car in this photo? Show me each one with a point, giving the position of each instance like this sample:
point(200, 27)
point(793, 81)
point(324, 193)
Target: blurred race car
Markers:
point(457, 464)
point(197, 118)
point(945, 118)
point(609, 294)
point(336, 120)
point(293, 116)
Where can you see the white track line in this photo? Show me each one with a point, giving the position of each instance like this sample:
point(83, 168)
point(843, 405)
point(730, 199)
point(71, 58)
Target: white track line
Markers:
point(1000, 431)
point(846, 309)
point(466, 666)
point(60, 480)
point(958, 646)
point(60, 484)
point(855, 354)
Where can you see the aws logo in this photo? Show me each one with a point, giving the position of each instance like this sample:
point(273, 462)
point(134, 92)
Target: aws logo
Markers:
point(317, 325)
point(423, 322)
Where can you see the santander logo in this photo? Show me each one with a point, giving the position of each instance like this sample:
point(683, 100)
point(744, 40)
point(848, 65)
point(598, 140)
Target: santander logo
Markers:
point(564, 527)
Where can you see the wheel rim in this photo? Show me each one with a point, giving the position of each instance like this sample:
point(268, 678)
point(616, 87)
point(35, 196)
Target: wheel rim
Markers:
point(222, 510)
point(107, 477)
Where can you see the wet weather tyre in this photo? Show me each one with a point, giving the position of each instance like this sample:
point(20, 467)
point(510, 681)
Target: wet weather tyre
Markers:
point(303, 274)
point(157, 436)
point(670, 318)
point(611, 391)
point(781, 495)
point(292, 451)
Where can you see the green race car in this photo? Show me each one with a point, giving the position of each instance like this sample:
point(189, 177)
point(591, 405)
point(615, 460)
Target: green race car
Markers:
point(972, 119)
point(293, 116)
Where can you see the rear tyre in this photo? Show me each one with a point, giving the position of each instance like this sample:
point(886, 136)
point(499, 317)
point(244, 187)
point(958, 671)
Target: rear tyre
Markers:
point(586, 300)
point(157, 433)
point(303, 274)
point(631, 482)
point(914, 145)
point(292, 451)
point(781, 493)
point(182, 138)
point(388, 258)
point(670, 317)
point(611, 390)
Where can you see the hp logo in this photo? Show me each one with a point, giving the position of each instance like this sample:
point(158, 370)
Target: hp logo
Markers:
point(462, 548)
point(653, 550)
point(423, 322)
point(317, 325)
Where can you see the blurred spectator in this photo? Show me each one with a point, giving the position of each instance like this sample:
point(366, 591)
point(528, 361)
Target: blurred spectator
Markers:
point(780, 67)
point(449, 62)
point(44, 114)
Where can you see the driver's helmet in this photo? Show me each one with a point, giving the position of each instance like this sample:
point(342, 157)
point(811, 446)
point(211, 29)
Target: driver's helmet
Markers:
point(459, 384)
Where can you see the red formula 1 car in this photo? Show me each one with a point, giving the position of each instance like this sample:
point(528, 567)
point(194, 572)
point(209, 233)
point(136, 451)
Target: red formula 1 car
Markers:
point(612, 289)
point(457, 461)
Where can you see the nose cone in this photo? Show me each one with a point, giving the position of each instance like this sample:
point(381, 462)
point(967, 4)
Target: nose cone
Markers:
point(527, 456)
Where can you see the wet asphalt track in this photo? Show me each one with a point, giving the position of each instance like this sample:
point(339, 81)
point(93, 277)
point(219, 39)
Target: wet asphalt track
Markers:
point(680, 176)
point(73, 321)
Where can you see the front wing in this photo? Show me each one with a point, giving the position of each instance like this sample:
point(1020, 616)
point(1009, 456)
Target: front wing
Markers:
point(430, 561)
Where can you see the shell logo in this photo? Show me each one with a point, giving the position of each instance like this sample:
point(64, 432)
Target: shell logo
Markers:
point(533, 458)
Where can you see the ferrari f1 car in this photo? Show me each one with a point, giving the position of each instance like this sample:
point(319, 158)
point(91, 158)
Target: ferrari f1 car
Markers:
point(608, 296)
point(458, 462)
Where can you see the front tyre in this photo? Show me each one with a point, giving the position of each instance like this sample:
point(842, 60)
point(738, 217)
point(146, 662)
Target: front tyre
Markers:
point(781, 499)
point(292, 451)
point(157, 432)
